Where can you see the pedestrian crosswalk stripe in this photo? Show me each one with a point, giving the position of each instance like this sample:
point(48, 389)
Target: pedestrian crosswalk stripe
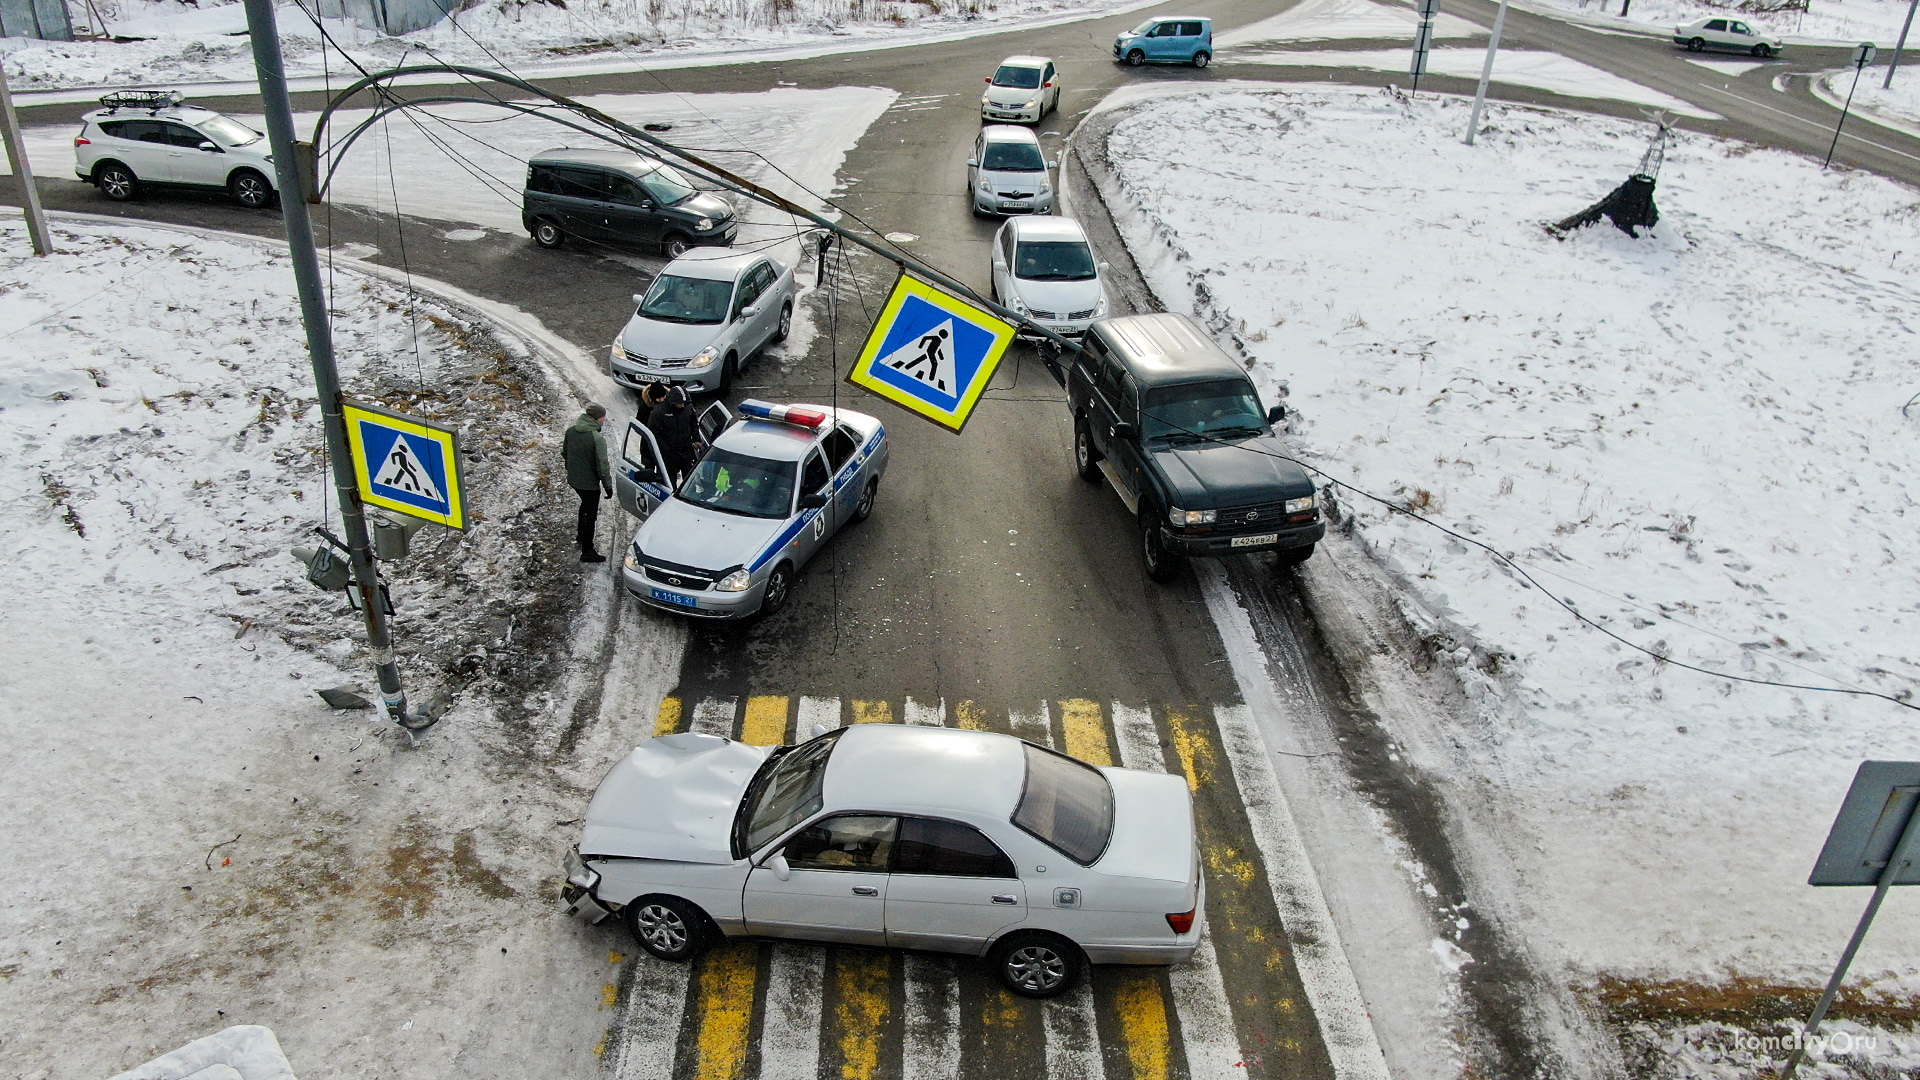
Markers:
point(930, 1018)
point(725, 1010)
point(765, 723)
point(1073, 1040)
point(920, 712)
point(860, 980)
point(790, 1018)
point(1033, 725)
point(668, 720)
point(713, 716)
point(815, 712)
point(1143, 1023)
point(873, 712)
point(1085, 731)
point(646, 1039)
point(1139, 739)
point(967, 714)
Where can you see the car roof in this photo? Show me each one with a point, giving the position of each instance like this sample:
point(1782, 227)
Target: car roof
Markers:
point(1047, 227)
point(1165, 349)
point(1009, 133)
point(186, 114)
point(624, 160)
point(1182, 18)
point(712, 264)
point(904, 767)
point(1025, 61)
point(776, 441)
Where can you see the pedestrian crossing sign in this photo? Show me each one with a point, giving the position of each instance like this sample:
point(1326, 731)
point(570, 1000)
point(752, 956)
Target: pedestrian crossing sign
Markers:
point(404, 464)
point(931, 352)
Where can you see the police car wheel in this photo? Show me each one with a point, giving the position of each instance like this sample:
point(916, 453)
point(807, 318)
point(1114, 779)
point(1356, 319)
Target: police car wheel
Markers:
point(1085, 457)
point(779, 587)
point(864, 508)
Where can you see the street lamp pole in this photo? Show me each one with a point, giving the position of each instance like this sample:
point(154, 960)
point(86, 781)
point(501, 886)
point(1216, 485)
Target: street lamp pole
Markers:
point(1899, 45)
point(1486, 70)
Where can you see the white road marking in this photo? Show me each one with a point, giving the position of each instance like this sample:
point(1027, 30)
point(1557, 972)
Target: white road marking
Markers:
point(790, 1021)
point(714, 716)
point(931, 1019)
point(1138, 738)
point(1073, 1040)
point(933, 713)
point(646, 1036)
point(1035, 727)
point(816, 712)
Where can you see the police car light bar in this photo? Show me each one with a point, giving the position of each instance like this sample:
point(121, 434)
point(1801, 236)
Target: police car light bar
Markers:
point(799, 415)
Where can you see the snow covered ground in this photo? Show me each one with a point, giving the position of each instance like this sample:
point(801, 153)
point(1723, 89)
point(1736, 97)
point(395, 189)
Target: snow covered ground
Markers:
point(1897, 106)
point(1824, 20)
point(182, 43)
point(1516, 67)
point(1695, 438)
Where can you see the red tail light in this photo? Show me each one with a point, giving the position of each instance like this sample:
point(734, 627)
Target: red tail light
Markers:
point(1181, 921)
point(79, 141)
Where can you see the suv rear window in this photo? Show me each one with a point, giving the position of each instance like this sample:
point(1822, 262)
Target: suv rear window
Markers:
point(1066, 805)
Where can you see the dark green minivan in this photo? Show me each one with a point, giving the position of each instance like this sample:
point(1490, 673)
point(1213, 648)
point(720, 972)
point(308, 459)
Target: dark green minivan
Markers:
point(620, 197)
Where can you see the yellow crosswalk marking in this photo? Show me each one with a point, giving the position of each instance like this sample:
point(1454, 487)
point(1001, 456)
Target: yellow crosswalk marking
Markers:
point(668, 721)
point(1197, 758)
point(1143, 1024)
point(862, 977)
point(724, 1004)
point(766, 722)
point(1086, 732)
point(873, 712)
point(970, 715)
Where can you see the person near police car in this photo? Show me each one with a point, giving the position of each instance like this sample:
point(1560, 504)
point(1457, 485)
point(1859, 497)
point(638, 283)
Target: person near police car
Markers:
point(584, 450)
point(672, 425)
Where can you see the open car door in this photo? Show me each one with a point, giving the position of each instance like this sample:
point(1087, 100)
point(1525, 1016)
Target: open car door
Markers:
point(641, 482)
point(710, 423)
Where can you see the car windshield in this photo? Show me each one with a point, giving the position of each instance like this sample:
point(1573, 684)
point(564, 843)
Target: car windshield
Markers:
point(1017, 78)
point(784, 795)
point(740, 484)
point(1067, 804)
point(1202, 410)
point(1013, 157)
point(686, 300)
point(228, 132)
point(1053, 260)
point(667, 187)
point(1143, 27)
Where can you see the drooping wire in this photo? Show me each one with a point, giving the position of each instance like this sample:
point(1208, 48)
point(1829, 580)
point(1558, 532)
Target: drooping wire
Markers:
point(406, 267)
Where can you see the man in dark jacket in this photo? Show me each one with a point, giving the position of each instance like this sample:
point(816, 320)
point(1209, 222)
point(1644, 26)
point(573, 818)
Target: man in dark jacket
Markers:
point(585, 452)
point(672, 427)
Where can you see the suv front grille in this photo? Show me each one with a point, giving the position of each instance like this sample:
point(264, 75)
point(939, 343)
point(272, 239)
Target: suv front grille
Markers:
point(1257, 518)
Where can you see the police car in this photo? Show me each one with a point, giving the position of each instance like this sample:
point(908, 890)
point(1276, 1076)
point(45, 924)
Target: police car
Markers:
point(772, 489)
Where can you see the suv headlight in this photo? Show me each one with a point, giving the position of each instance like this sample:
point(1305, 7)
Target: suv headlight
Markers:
point(738, 581)
point(705, 357)
point(1301, 506)
point(703, 224)
point(1192, 517)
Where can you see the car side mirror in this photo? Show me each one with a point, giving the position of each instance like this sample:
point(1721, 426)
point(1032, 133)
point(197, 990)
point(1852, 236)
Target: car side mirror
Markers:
point(973, 163)
point(637, 298)
point(778, 864)
point(1123, 431)
point(1276, 414)
point(209, 148)
point(814, 501)
point(750, 311)
point(1104, 265)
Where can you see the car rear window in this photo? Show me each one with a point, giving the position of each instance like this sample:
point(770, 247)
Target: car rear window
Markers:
point(1066, 805)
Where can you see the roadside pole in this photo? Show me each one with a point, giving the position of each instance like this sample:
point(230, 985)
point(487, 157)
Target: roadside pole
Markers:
point(1486, 71)
point(1899, 45)
point(17, 157)
point(1423, 40)
point(1863, 55)
point(274, 102)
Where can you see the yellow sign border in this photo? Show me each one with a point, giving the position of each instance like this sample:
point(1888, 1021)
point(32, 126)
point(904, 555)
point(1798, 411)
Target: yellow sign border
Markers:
point(353, 411)
point(907, 285)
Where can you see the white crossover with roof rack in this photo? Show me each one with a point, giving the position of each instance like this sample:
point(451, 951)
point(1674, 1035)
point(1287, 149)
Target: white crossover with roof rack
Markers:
point(772, 489)
point(144, 139)
point(943, 839)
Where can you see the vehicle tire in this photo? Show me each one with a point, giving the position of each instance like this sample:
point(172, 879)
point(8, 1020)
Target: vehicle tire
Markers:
point(729, 369)
point(1136, 57)
point(675, 245)
point(779, 588)
point(1296, 556)
point(1202, 58)
point(1162, 565)
point(1086, 456)
point(546, 233)
point(250, 189)
point(116, 181)
point(1697, 45)
point(1036, 965)
point(668, 927)
point(863, 509)
point(781, 331)
point(1762, 52)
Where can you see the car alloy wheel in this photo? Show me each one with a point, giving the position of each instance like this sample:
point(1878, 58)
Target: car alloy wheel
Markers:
point(117, 183)
point(547, 234)
point(786, 322)
point(667, 927)
point(1085, 457)
point(1697, 45)
point(779, 584)
point(864, 508)
point(1762, 51)
point(1201, 59)
point(1135, 58)
point(677, 245)
point(1036, 965)
point(250, 189)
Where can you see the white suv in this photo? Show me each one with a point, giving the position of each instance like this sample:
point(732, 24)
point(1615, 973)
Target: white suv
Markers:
point(147, 138)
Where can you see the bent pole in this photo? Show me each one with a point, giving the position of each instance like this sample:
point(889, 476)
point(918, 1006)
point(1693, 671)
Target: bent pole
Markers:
point(1486, 70)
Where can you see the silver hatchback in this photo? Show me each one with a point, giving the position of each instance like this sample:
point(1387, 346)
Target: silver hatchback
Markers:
point(708, 313)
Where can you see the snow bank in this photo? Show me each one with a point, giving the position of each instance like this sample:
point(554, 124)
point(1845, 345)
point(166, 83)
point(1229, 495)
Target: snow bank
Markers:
point(1823, 21)
point(1695, 438)
point(242, 1052)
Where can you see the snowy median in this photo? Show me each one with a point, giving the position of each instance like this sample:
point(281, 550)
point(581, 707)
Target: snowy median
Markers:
point(1695, 438)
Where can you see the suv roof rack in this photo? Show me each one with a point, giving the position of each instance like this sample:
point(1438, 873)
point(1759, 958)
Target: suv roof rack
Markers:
point(151, 100)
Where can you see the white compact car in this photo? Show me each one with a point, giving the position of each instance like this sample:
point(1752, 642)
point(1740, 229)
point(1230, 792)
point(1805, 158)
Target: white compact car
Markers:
point(149, 139)
point(1007, 173)
point(708, 313)
point(1023, 89)
point(1728, 35)
point(932, 838)
point(1044, 269)
point(768, 494)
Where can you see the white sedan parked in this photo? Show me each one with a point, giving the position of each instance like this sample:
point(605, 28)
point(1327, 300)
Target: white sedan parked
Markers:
point(1044, 269)
point(1730, 35)
point(914, 837)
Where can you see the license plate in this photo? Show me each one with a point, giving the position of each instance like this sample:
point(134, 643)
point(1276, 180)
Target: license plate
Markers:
point(674, 598)
point(1249, 541)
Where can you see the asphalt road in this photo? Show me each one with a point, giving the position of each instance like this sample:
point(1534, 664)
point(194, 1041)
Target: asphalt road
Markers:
point(993, 588)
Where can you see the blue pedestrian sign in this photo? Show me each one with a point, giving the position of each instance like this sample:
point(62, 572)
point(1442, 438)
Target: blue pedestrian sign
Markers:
point(931, 352)
point(404, 464)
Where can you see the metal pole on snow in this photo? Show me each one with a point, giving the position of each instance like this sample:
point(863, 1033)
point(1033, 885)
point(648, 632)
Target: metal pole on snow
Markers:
point(1899, 45)
point(1486, 70)
point(17, 157)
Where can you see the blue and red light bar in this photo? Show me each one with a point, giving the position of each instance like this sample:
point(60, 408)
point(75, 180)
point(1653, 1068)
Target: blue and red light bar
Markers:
point(805, 416)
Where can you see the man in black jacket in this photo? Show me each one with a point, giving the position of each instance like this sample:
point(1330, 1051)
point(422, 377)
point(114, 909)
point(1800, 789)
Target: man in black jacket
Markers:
point(584, 449)
point(672, 427)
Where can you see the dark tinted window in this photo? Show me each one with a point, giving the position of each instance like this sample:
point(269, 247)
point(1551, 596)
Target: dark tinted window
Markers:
point(1189, 29)
point(1171, 29)
point(948, 847)
point(1201, 410)
point(844, 843)
point(182, 135)
point(1717, 24)
point(627, 192)
point(128, 129)
point(815, 477)
point(1013, 157)
point(839, 447)
point(580, 183)
point(1066, 804)
point(540, 178)
point(1054, 260)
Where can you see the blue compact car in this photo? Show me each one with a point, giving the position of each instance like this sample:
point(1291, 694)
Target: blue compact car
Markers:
point(1167, 39)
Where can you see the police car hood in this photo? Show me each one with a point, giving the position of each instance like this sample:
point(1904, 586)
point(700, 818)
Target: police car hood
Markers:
point(1210, 475)
point(672, 798)
point(680, 532)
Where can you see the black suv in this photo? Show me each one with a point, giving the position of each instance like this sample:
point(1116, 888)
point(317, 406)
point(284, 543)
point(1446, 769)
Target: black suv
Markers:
point(611, 195)
point(1176, 427)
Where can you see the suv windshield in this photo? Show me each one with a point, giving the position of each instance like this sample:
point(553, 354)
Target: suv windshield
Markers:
point(1200, 410)
point(1013, 157)
point(1017, 78)
point(779, 799)
point(686, 300)
point(1053, 260)
point(228, 132)
point(740, 484)
point(667, 187)
point(1066, 804)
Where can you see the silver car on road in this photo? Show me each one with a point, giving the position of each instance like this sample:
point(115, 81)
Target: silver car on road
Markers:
point(708, 313)
point(934, 838)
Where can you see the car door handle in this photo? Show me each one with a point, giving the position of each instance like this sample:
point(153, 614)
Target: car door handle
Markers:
point(866, 890)
point(1003, 898)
